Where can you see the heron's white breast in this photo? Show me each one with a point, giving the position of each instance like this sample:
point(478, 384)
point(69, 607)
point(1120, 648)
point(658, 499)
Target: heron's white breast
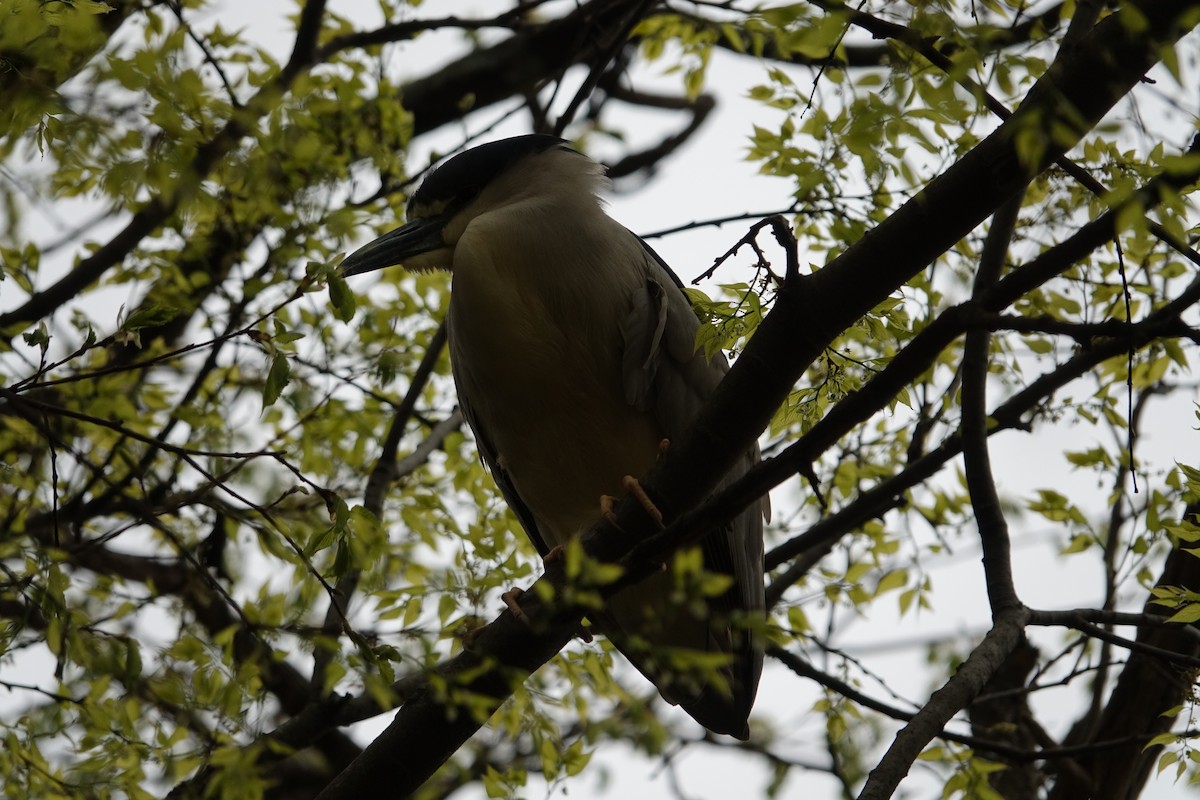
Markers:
point(535, 331)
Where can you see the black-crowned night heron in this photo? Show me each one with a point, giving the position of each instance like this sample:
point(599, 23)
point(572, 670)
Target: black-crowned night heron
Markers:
point(573, 348)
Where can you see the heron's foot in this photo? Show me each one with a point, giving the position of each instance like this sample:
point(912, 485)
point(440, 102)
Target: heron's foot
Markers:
point(634, 488)
point(607, 505)
point(470, 637)
point(557, 553)
point(510, 599)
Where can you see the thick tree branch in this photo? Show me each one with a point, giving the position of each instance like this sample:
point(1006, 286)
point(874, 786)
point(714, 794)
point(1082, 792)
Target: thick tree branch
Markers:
point(983, 312)
point(1074, 94)
point(513, 67)
point(1069, 620)
point(1158, 676)
point(977, 465)
point(957, 693)
point(1082, 21)
point(986, 38)
point(1001, 712)
point(1008, 615)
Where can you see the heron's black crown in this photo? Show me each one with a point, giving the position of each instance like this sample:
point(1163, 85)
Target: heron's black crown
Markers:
point(460, 180)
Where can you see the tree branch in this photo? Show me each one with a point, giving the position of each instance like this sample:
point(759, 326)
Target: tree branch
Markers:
point(1073, 95)
point(1148, 686)
point(981, 485)
point(954, 696)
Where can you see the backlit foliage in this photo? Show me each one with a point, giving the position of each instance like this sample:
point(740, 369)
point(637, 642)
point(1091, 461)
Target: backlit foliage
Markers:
point(200, 540)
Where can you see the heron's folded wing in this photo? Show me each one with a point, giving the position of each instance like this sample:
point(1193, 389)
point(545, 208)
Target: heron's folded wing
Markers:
point(665, 374)
point(487, 451)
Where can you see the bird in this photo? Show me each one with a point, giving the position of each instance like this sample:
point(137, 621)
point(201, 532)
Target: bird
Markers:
point(573, 351)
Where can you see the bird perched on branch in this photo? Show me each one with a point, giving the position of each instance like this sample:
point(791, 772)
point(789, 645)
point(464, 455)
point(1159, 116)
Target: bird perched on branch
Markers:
point(573, 347)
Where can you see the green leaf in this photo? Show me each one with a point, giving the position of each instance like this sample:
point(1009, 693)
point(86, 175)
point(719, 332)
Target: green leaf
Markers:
point(575, 759)
point(892, 580)
point(341, 296)
point(1189, 613)
point(446, 607)
point(1159, 740)
point(148, 316)
point(1079, 542)
point(323, 539)
point(1166, 759)
point(277, 378)
point(133, 662)
point(38, 338)
point(493, 783)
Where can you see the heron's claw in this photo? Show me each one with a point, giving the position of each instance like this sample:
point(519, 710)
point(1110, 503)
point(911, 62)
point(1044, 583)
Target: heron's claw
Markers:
point(510, 599)
point(631, 485)
point(607, 504)
point(470, 637)
point(634, 488)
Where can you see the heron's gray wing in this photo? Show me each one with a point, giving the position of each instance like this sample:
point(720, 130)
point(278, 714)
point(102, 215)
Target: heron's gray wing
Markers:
point(664, 374)
point(487, 451)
